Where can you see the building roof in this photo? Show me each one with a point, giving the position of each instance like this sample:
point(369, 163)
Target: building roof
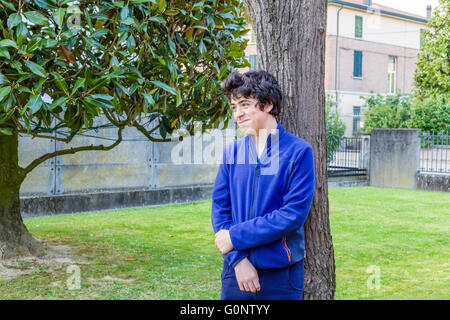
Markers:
point(359, 4)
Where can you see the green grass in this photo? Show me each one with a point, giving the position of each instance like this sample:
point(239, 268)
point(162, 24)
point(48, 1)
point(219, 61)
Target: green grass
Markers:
point(169, 251)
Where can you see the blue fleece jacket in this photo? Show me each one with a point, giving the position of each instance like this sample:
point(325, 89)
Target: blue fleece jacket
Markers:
point(264, 202)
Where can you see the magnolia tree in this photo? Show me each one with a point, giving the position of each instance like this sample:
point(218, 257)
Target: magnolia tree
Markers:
point(136, 62)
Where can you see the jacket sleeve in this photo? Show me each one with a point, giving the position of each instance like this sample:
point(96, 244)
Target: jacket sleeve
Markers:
point(291, 216)
point(221, 210)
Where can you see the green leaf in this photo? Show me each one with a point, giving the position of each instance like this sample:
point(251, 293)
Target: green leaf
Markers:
point(36, 17)
point(128, 21)
point(101, 96)
point(49, 43)
point(236, 54)
point(162, 5)
point(24, 89)
point(115, 64)
point(157, 19)
point(172, 46)
point(8, 43)
point(5, 53)
point(61, 101)
point(9, 102)
point(35, 104)
point(46, 4)
point(9, 5)
point(165, 87)
point(4, 91)
point(179, 99)
point(149, 98)
point(200, 81)
point(5, 131)
point(60, 82)
point(171, 12)
point(124, 12)
point(36, 69)
point(223, 72)
point(13, 20)
point(202, 47)
point(131, 44)
point(40, 83)
point(3, 79)
point(34, 44)
point(89, 21)
point(142, 1)
point(59, 16)
point(6, 116)
point(98, 33)
point(118, 4)
point(78, 84)
point(98, 103)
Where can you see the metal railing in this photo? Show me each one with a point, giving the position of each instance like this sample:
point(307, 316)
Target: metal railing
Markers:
point(348, 158)
point(434, 152)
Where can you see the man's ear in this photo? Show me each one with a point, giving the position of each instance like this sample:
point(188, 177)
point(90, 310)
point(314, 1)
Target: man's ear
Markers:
point(268, 107)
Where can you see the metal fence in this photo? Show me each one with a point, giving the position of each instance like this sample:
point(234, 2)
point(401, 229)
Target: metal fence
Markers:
point(434, 152)
point(348, 158)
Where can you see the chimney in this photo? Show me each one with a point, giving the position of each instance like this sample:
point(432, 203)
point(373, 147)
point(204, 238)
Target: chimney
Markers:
point(368, 3)
point(428, 12)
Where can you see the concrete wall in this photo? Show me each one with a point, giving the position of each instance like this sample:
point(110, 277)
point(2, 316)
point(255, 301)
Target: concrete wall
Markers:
point(433, 181)
point(394, 157)
point(83, 202)
point(135, 164)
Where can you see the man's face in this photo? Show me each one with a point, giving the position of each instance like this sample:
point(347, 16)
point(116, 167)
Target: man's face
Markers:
point(248, 115)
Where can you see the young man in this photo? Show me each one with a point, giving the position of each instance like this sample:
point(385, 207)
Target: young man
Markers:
point(262, 195)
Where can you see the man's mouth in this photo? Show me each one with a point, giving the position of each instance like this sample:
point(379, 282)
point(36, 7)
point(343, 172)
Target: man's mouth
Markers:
point(243, 122)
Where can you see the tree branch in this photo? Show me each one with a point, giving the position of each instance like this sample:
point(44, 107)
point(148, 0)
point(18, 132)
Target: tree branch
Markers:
point(148, 134)
point(47, 156)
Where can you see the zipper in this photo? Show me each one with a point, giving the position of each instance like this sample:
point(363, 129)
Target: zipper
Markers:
point(252, 211)
point(287, 249)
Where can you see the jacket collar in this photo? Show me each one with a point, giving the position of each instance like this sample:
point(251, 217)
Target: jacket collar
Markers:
point(273, 140)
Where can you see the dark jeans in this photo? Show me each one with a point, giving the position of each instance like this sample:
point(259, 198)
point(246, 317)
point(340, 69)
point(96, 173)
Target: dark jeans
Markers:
point(276, 284)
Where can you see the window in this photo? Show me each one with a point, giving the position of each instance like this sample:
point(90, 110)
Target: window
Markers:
point(422, 37)
point(357, 64)
point(253, 59)
point(392, 74)
point(358, 27)
point(252, 36)
point(356, 119)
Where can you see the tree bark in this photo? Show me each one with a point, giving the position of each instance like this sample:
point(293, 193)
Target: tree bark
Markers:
point(291, 46)
point(14, 236)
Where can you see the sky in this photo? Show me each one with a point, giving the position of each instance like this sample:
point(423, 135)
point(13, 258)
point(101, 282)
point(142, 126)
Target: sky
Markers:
point(413, 6)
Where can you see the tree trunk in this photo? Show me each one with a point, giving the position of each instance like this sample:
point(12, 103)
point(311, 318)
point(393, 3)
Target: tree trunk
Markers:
point(14, 236)
point(291, 46)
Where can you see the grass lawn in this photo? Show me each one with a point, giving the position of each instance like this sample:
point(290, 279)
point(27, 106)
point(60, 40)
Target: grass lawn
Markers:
point(168, 252)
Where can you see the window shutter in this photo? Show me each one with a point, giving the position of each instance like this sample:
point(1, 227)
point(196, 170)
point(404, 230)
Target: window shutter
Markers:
point(358, 26)
point(253, 62)
point(357, 63)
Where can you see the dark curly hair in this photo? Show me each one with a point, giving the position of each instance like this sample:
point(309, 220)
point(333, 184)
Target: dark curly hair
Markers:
point(259, 85)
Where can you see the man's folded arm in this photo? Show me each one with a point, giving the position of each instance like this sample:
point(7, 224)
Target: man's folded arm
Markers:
point(291, 216)
point(221, 210)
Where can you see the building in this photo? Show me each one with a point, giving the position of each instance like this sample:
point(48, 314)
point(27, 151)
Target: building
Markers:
point(369, 48)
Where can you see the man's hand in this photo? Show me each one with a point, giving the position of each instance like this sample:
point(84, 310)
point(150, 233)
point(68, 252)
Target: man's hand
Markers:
point(223, 241)
point(247, 276)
